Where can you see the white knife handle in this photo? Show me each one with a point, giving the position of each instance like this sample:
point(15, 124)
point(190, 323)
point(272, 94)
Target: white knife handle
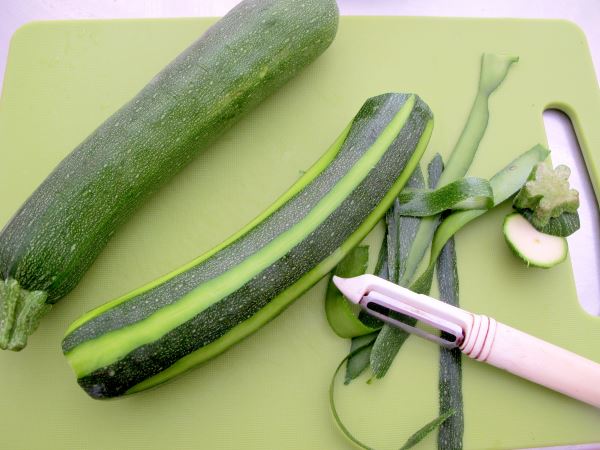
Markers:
point(533, 359)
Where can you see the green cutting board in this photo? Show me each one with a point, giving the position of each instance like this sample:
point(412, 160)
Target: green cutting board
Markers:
point(270, 391)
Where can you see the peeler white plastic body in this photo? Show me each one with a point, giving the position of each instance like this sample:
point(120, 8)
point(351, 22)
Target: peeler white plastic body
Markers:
point(479, 337)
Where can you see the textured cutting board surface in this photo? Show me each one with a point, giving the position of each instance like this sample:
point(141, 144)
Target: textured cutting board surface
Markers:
point(270, 391)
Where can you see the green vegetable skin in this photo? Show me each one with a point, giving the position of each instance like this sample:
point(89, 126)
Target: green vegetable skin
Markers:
point(56, 235)
point(165, 328)
point(466, 193)
point(494, 69)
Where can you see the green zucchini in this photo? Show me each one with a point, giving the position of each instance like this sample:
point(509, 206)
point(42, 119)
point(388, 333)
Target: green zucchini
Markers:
point(535, 248)
point(196, 312)
point(53, 239)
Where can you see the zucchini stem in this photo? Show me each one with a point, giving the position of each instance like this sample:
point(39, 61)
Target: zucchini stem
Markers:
point(20, 313)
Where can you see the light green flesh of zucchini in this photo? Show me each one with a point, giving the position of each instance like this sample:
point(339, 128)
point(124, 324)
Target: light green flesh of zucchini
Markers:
point(114, 345)
point(535, 248)
point(309, 175)
point(279, 303)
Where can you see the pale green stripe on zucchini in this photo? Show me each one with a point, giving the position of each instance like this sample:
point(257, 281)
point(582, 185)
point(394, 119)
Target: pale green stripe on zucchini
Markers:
point(242, 311)
point(279, 303)
point(110, 347)
point(308, 176)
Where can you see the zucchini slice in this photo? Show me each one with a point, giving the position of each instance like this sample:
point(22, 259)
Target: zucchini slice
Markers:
point(537, 249)
point(192, 314)
point(60, 230)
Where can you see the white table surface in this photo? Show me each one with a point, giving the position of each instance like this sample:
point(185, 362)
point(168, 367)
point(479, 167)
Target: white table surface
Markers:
point(584, 245)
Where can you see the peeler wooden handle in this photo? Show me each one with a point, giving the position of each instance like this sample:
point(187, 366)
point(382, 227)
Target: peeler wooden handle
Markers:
point(533, 359)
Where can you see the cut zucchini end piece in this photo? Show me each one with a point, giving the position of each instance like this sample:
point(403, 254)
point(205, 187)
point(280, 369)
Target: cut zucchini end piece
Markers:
point(533, 247)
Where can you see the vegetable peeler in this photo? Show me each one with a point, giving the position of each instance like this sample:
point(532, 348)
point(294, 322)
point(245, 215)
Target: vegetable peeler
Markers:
point(478, 336)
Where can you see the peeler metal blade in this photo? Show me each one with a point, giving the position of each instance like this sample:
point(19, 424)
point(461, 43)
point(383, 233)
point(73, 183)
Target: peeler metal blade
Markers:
point(395, 304)
point(391, 311)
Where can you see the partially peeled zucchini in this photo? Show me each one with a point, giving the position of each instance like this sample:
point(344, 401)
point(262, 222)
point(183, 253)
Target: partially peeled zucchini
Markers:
point(198, 311)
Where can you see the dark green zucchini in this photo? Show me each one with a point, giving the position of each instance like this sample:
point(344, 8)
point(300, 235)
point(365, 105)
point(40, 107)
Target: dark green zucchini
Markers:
point(190, 315)
point(53, 239)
